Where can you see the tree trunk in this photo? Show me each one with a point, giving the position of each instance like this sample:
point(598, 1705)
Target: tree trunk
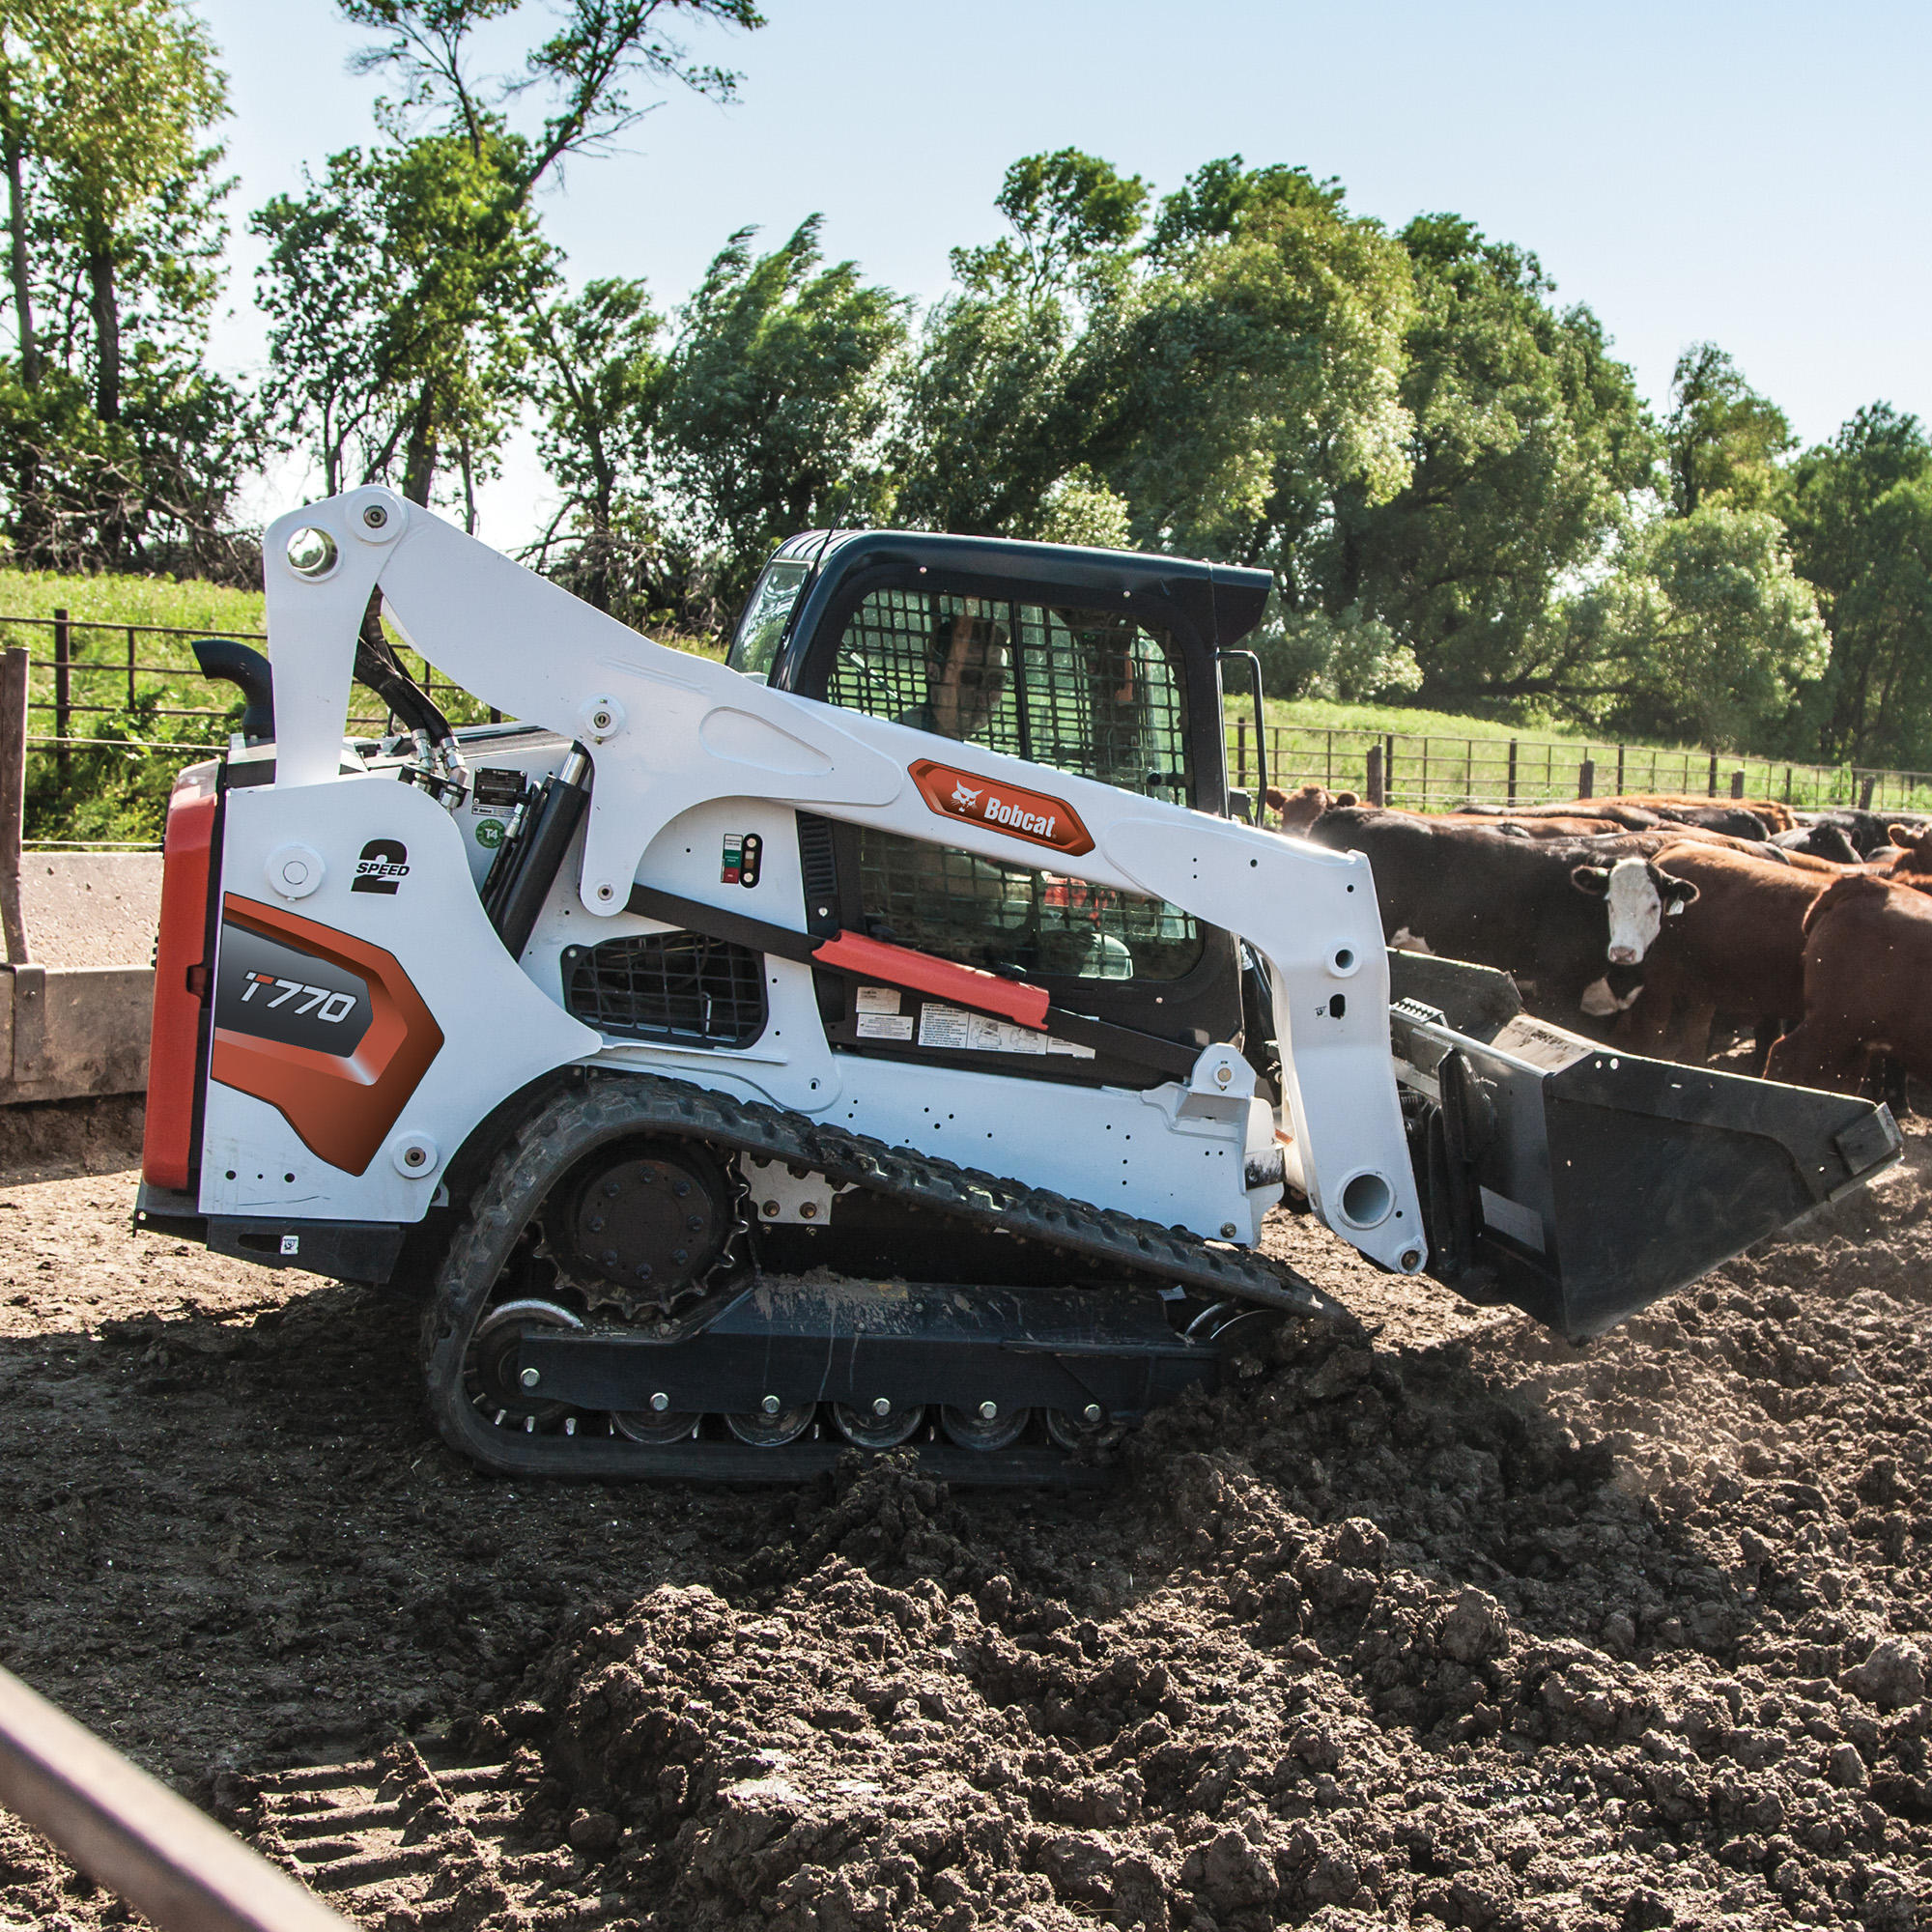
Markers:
point(469, 489)
point(24, 300)
point(106, 309)
point(419, 457)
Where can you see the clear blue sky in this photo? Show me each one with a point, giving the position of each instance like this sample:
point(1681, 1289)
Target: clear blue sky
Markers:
point(1755, 175)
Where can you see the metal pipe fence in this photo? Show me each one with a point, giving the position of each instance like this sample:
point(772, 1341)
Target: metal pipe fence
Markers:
point(90, 650)
point(1432, 772)
point(145, 673)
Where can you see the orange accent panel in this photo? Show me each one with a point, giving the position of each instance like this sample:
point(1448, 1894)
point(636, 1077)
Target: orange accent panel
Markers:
point(901, 966)
point(342, 1108)
point(1032, 815)
point(174, 1035)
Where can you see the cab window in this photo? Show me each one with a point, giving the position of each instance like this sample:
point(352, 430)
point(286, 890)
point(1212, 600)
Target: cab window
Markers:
point(756, 640)
point(1095, 692)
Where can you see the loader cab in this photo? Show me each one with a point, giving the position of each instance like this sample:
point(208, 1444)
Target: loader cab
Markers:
point(1093, 662)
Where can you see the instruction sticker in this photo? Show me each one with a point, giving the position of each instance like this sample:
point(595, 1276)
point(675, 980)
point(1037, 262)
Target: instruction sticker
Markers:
point(878, 1000)
point(883, 1026)
point(944, 1026)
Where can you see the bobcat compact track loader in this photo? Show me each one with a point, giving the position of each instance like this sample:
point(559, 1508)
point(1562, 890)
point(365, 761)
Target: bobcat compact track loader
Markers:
point(890, 1037)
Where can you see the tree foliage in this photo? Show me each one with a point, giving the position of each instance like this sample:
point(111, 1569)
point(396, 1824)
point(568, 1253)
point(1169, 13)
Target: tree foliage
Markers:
point(1528, 441)
point(1858, 510)
point(117, 445)
point(437, 234)
point(1722, 438)
point(778, 393)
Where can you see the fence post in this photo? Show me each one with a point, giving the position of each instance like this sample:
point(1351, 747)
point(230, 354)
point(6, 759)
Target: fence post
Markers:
point(1736, 785)
point(1712, 789)
point(63, 694)
point(1865, 791)
point(1371, 782)
point(1587, 778)
point(12, 798)
point(1620, 771)
point(1388, 766)
point(1787, 785)
point(1510, 795)
point(1241, 755)
point(131, 667)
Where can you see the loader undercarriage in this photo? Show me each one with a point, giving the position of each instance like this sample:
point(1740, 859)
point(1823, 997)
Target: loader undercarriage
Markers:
point(540, 1364)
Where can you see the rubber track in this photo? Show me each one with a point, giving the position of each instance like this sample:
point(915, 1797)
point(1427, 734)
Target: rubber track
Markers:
point(611, 1107)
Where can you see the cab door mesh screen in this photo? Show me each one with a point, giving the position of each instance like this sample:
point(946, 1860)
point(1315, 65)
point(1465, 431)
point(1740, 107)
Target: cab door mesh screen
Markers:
point(1092, 692)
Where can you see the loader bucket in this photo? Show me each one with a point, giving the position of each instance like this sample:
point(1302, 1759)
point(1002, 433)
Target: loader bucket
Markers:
point(1580, 1183)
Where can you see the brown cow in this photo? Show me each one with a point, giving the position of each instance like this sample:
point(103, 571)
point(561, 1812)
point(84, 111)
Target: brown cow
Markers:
point(1716, 812)
point(1868, 962)
point(1739, 947)
point(1302, 808)
point(1912, 866)
point(1741, 818)
point(1547, 826)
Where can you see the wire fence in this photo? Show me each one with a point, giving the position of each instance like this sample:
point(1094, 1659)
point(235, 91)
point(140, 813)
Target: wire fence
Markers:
point(124, 679)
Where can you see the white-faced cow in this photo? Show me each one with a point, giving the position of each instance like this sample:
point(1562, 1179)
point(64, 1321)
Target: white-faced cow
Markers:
point(1571, 920)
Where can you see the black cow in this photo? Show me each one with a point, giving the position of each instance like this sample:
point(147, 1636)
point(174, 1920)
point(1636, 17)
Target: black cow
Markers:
point(1819, 841)
point(1561, 914)
point(1866, 829)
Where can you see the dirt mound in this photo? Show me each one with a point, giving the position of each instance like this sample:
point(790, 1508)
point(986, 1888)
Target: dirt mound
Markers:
point(1448, 1620)
point(1494, 1631)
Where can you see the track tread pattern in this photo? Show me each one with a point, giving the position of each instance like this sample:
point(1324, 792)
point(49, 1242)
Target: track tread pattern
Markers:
point(576, 1122)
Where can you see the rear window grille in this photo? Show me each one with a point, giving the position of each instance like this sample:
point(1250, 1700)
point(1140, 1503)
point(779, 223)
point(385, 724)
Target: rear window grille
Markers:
point(1093, 691)
point(668, 986)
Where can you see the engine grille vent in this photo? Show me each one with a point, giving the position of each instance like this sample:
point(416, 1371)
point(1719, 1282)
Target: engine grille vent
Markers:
point(668, 986)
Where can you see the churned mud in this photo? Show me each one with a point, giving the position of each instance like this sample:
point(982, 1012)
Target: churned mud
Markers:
point(1451, 1622)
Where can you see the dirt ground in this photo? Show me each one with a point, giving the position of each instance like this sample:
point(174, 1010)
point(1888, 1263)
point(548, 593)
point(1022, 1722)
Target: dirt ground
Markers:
point(1463, 1624)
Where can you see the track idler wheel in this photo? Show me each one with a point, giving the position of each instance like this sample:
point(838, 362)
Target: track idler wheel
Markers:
point(1088, 1429)
point(656, 1425)
point(879, 1426)
point(772, 1428)
point(976, 1429)
point(492, 1380)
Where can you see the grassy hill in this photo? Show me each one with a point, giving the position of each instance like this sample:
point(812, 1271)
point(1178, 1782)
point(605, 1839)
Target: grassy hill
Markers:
point(114, 789)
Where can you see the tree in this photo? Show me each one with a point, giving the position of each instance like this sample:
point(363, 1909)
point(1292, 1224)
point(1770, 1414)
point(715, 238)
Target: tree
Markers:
point(438, 231)
point(780, 390)
point(1247, 375)
point(1526, 440)
point(1722, 438)
point(1703, 631)
point(990, 440)
point(129, 90)
point(117, 446)
point(599, 380)
point(399, 290)
point(325, 292)
point(1856, 509)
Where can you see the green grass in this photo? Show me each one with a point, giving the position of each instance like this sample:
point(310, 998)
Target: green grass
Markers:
point(109, 787)
point(114, 789)
point(1441, 759)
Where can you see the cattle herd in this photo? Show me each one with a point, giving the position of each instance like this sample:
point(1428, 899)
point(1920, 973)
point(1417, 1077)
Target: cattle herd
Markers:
point(1673, 924)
